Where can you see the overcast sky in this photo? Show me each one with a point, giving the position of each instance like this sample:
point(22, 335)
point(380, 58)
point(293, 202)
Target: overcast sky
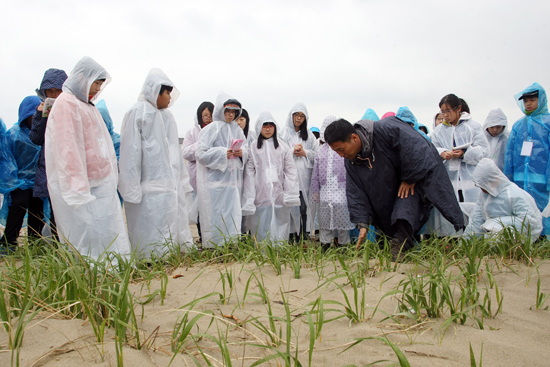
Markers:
point(338, 57)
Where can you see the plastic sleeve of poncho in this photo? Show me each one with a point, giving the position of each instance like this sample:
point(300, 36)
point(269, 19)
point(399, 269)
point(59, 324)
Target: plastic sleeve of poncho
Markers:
point(291, 187)
point(479, 148)
point(8, 169)
point(68, 153)
point(129, 177)
point(315, 187)
point(476, 218)
point(208, 155)
point(189, 146)
point(249, 187)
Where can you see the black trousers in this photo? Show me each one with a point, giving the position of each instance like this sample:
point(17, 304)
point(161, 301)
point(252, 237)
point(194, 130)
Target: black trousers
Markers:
point(404, 233)
point(303, 235)
point(21, 202)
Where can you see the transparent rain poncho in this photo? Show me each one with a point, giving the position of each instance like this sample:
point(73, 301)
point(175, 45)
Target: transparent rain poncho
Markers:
point(82, 168)
point(530, 169)
point(497, 144)
point(153, 178)
point(304, 165)
point(467, 134)
point(188, 151)
point(328, 186)
point(219, 178)
point(270, 187)
point(504, 204)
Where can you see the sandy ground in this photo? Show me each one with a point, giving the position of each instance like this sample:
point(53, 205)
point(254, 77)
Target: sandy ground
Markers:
point(519, 336)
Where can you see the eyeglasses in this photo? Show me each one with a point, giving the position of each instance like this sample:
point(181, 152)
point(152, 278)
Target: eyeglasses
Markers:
point(268, 124)
point(300, 115)
point(206, 117)
point(446, 112)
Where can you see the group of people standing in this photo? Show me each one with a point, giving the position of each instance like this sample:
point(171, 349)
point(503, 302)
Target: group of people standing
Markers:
point(274, 182)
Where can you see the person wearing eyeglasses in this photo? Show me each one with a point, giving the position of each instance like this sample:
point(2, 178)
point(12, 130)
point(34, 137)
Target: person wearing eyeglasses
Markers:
point(304, 145)
point(270, 184)
point(461, 144)
point(221, 155)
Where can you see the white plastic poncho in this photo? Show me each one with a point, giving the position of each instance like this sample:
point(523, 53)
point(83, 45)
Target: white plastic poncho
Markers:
point(218, 177)
point(328, 186)
point(497, 144)
point(188, 151)
point(270, 187)
point(153, 179)
point(504, 205)
point(468, 135)
point(82, 170)
point(304, 165)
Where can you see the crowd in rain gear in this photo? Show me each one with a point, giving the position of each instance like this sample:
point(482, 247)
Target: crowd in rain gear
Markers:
point(302, 217)
point(497, 143)
point(153, 178)
point(502, 204)
point(468, 136)
point(527, 161)
point(19, 200)
point(219, 177)
point(81, 166)
point(271, 186)
point(328, 189)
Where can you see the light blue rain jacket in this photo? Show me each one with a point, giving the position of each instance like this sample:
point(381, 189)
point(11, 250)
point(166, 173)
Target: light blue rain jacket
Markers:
point(370, 115)
point(8, 166)
point(405, 114)
point(531, 172)
point(19, 144)
point(115, 137)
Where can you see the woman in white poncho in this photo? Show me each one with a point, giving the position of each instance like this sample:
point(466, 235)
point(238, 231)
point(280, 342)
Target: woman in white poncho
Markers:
point(81, 166)
point(270, 183)
point(497, 136)
point(502, 204)
point(219, 172)
point(304, 145)
point(153, 179)
point(461, 144)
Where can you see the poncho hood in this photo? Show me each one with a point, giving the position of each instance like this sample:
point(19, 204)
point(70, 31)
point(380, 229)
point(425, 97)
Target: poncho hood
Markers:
point(365, 130)
point(151, 87)
point(27, 107)
point(218, 114)
point(53, 79)
point(496, 117)
point(543, 100)
point(85, 72)
point(404, 114)
point(370, 115)
point(262, 119)
point(489, 177)
point(327, 121)
point(298, 107)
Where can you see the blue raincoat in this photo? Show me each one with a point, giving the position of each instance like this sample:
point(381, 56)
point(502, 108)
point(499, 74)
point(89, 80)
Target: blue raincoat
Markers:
point(20, 145)
point(370, 115)
point(8, 166)
point(531, 171)
point(115, 137)
point(405, 114)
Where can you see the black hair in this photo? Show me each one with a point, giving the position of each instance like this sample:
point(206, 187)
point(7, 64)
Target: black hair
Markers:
point(303, 127)
point(454, 102)
point(274, 137)
point(435, 117)
point(165, 87)
point(28, 121)
point(244, 113)
point(235, 102)
point(204, 106)
point(316, 134)
point(340, 130)
point(101, 80)
point(423, 128)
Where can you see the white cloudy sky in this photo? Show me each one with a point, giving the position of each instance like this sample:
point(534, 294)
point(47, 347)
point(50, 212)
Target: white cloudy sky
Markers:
point(338, 57)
